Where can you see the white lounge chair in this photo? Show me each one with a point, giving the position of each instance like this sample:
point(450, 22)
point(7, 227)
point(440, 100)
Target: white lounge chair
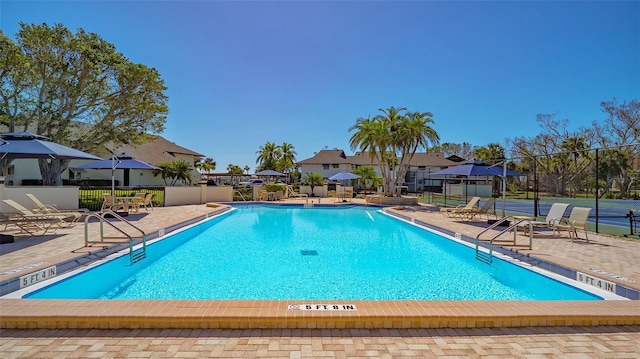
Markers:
point(30, 222)
point(50, 209)
point(556, 212)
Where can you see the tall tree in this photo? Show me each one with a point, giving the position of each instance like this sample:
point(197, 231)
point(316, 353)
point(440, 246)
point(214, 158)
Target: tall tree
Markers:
point(464, 150)
point(77, 90)
point(234, 170)
point(550, 149)
point(490, 153)
point(206, 166)
point(287, 158)
point(392, 138)
point(268, 156)
point(621, 128)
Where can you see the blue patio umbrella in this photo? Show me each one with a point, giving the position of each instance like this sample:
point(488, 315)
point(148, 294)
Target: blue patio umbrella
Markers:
point(120, 161)
point(343, 176)
point(477, 168)
point(22, 145)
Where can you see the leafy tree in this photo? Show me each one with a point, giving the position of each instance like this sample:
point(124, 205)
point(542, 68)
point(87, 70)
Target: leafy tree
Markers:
point(176, 171)
point(464, 150)
point(620, 128)
point(393, 138)
point(613, 162)
point(490, 153)
point(313, 179)
point(77, 90)
point(550, 151)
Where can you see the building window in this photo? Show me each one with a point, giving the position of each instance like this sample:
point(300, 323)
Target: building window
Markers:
point(325, 167)
point(422, 168)
point(335, 165)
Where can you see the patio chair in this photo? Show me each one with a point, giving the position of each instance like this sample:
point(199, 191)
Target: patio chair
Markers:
point(112, 203)
point(556, 212)
point(5, 221)
point(460, 209)
point(32, 225)
point(486, 210)
point(31, 222)
point(148, 202)
point(47, 208)
point(577, 220)
point(138, 201)
point(291, 193)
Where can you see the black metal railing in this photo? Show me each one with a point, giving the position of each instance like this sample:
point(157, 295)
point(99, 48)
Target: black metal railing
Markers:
point(92, 197)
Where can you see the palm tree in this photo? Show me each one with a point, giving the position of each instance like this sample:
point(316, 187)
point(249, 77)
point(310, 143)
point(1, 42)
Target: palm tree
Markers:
point(234, 170)
point(178, 170)
point(183, 171)
point(313, 179)
point(414, 133)
point(393, 138)
point(369, 136)
point(287, 158)
point(268, 156)
point(206, 166)
point(367, 177)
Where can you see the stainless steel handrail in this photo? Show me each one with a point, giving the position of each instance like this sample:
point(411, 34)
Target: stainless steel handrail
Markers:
point(516, 223)
point(241, 196)
point(102, 218)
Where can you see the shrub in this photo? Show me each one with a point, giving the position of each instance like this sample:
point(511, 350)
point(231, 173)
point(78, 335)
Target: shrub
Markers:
point(274, 187)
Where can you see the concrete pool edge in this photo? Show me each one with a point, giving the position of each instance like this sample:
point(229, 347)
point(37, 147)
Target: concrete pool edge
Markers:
point(194, 314)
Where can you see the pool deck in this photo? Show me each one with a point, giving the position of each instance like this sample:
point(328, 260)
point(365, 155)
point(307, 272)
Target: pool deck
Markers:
point(274, 325)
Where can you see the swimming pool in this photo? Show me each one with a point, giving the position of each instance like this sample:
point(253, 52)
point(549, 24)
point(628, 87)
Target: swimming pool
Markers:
point(350, 253)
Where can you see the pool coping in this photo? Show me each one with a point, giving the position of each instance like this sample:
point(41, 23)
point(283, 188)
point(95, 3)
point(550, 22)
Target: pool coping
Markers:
point(225, 314)
point(230, 314)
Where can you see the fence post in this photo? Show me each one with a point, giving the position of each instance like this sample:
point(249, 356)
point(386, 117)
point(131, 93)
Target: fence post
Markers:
point(597, 189)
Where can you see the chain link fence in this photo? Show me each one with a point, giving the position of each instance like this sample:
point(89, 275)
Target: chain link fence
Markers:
point(607, 180)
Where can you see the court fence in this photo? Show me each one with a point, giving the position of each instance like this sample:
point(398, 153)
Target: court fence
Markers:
point(607, 180)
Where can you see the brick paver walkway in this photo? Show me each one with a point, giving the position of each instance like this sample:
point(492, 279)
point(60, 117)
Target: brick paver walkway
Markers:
point(555, 342)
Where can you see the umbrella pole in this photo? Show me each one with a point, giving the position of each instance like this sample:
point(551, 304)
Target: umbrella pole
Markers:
point(504, 186)
point(113, 181)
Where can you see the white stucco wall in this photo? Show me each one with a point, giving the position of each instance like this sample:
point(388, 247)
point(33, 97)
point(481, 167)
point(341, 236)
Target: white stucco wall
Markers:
point(63, 197)
point(176, 196)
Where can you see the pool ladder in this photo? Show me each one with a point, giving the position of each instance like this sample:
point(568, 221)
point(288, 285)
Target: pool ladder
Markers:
point(135, 255)
point(241, 196)
point(515, 222)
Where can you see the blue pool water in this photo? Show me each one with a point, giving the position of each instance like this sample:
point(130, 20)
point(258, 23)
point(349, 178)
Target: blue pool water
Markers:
point(348, 253)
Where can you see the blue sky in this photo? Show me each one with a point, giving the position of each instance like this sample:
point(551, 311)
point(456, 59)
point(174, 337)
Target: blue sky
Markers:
point(241, 73)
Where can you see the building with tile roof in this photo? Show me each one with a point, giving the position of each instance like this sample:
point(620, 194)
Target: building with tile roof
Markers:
point(330, 162)
point(156, 151)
